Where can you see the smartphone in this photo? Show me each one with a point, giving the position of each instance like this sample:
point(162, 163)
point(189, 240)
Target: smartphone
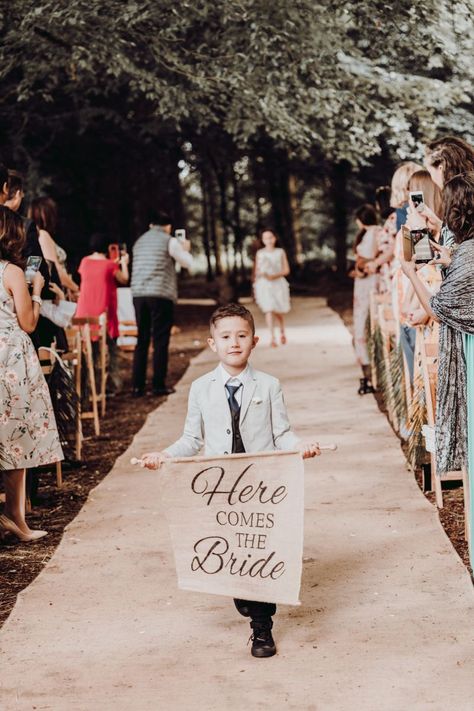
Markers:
point(114, 252)
point(407, 244)
point(32, 266)
point(422, 248)
point(180, 235)
point(123, 247)
point(417, 198)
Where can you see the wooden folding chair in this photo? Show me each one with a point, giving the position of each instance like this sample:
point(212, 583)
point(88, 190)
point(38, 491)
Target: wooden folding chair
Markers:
point(46, 358)
point(388, 329)
point(428, 349)
point(83, 326)
point(127, 330)
point(98, 327)
point(74, 358)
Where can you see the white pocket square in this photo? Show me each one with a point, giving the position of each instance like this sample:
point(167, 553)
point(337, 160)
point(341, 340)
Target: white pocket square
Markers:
point(257, 400)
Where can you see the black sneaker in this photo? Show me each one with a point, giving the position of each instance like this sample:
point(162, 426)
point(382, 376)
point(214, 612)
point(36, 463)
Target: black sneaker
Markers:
point(263, 644)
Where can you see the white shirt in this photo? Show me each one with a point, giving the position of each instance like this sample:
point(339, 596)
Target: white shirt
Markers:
point(240, 379)
point(179, 254)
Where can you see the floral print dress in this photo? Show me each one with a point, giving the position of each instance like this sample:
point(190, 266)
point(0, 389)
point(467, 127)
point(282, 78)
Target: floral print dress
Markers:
point(28, 433)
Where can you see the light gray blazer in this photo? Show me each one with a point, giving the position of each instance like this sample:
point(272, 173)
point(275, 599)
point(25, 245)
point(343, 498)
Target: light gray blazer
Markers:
point(264, 424)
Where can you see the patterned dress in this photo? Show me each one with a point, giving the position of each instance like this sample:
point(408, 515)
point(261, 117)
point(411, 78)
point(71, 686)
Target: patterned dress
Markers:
point(28, 434)
point(271, 295)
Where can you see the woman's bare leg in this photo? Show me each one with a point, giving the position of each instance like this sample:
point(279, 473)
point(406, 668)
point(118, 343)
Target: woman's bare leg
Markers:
point(14, 482)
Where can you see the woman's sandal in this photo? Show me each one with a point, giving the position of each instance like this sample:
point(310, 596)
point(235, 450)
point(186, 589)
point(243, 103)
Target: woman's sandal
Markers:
point(283, 339)
point(273, 343)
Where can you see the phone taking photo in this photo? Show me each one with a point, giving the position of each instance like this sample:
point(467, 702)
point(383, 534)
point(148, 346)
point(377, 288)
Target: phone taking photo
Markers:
point(33, 264)
point(422, 248)
point(417, 198)
point(180, 235)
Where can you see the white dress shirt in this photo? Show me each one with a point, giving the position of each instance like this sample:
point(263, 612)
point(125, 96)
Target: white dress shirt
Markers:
point(240, 379)
point(176, 251)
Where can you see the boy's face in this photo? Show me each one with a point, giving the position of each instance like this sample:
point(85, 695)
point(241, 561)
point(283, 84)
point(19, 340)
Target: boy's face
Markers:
point(232, 339)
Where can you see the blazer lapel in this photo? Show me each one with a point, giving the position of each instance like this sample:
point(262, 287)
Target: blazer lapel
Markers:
point(218, 397)
point(248, 393)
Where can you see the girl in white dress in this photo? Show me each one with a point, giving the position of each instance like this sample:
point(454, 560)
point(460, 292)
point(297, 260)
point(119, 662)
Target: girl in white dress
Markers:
point(271, 289)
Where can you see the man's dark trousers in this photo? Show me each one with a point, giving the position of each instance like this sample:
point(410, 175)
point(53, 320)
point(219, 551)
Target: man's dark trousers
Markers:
point(154, 317)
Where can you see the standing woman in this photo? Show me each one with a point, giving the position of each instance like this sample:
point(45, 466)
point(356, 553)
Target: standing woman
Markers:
point(44, 212)
point(366, 248)
point(28, 434)
point(272, 291)
point(453, 307)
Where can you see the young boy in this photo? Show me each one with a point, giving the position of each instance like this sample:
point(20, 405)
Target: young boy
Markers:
point(224, 417)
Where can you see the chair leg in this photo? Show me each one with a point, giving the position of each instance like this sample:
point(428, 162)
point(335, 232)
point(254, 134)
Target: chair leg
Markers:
point(90, 367)
point(59, 475)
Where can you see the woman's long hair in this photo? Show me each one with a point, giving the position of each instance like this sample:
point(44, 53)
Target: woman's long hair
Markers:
point(458, 195)
point(453, 153)
point(400, 179)
point(44, 212)
point(421, 180)
point(366, 214)
point(12, 237)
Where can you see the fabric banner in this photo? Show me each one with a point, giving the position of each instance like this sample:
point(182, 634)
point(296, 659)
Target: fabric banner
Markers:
point(236, 524)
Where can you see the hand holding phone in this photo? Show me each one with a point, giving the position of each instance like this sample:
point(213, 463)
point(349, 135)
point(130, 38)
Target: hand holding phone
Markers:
point(33, 264)
point(180, 235)
point(422, 248)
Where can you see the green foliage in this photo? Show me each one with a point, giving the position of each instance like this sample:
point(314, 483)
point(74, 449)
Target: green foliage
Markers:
point(341, 76)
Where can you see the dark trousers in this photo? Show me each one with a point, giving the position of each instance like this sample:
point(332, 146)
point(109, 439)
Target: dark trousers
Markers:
point(154, 318)
point(259, 612)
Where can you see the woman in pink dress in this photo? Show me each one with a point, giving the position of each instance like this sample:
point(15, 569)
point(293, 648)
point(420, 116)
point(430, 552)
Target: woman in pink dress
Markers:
point(98, 294)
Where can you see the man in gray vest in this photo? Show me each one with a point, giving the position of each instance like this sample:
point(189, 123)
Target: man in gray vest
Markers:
point(154, 290)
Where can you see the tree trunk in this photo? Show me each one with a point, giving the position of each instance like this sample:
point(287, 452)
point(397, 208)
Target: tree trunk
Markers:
point(296, 215)
point(205, 229)
point(339, 197)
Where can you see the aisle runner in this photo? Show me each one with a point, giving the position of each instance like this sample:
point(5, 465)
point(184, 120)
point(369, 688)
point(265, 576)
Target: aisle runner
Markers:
point(236, 524)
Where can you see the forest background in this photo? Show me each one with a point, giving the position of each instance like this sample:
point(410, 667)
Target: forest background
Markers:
point(227, 113)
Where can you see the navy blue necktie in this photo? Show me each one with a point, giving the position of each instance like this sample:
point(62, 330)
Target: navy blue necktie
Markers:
point(233, 404)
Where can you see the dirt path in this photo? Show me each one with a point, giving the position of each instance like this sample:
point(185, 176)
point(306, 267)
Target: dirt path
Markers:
point(385, 622)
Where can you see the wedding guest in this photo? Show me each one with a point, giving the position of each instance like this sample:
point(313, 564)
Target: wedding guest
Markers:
point(453, 307)
point(155, 290)
point(43, 211)
point(444, 158)
point(366, 247)
point(28, 433)
point(98, 294)
point(272, 291)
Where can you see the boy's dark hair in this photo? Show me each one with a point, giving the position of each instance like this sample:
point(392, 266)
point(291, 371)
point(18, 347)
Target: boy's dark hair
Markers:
point(232, 310)
point(14, 183)
point(159, 218)
point(99, 242)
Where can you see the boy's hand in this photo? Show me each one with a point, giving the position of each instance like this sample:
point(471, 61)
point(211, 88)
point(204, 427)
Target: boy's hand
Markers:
point(153, 460)
point(309, 449)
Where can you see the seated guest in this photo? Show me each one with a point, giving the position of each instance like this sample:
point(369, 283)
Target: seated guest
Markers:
point(98, 293)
